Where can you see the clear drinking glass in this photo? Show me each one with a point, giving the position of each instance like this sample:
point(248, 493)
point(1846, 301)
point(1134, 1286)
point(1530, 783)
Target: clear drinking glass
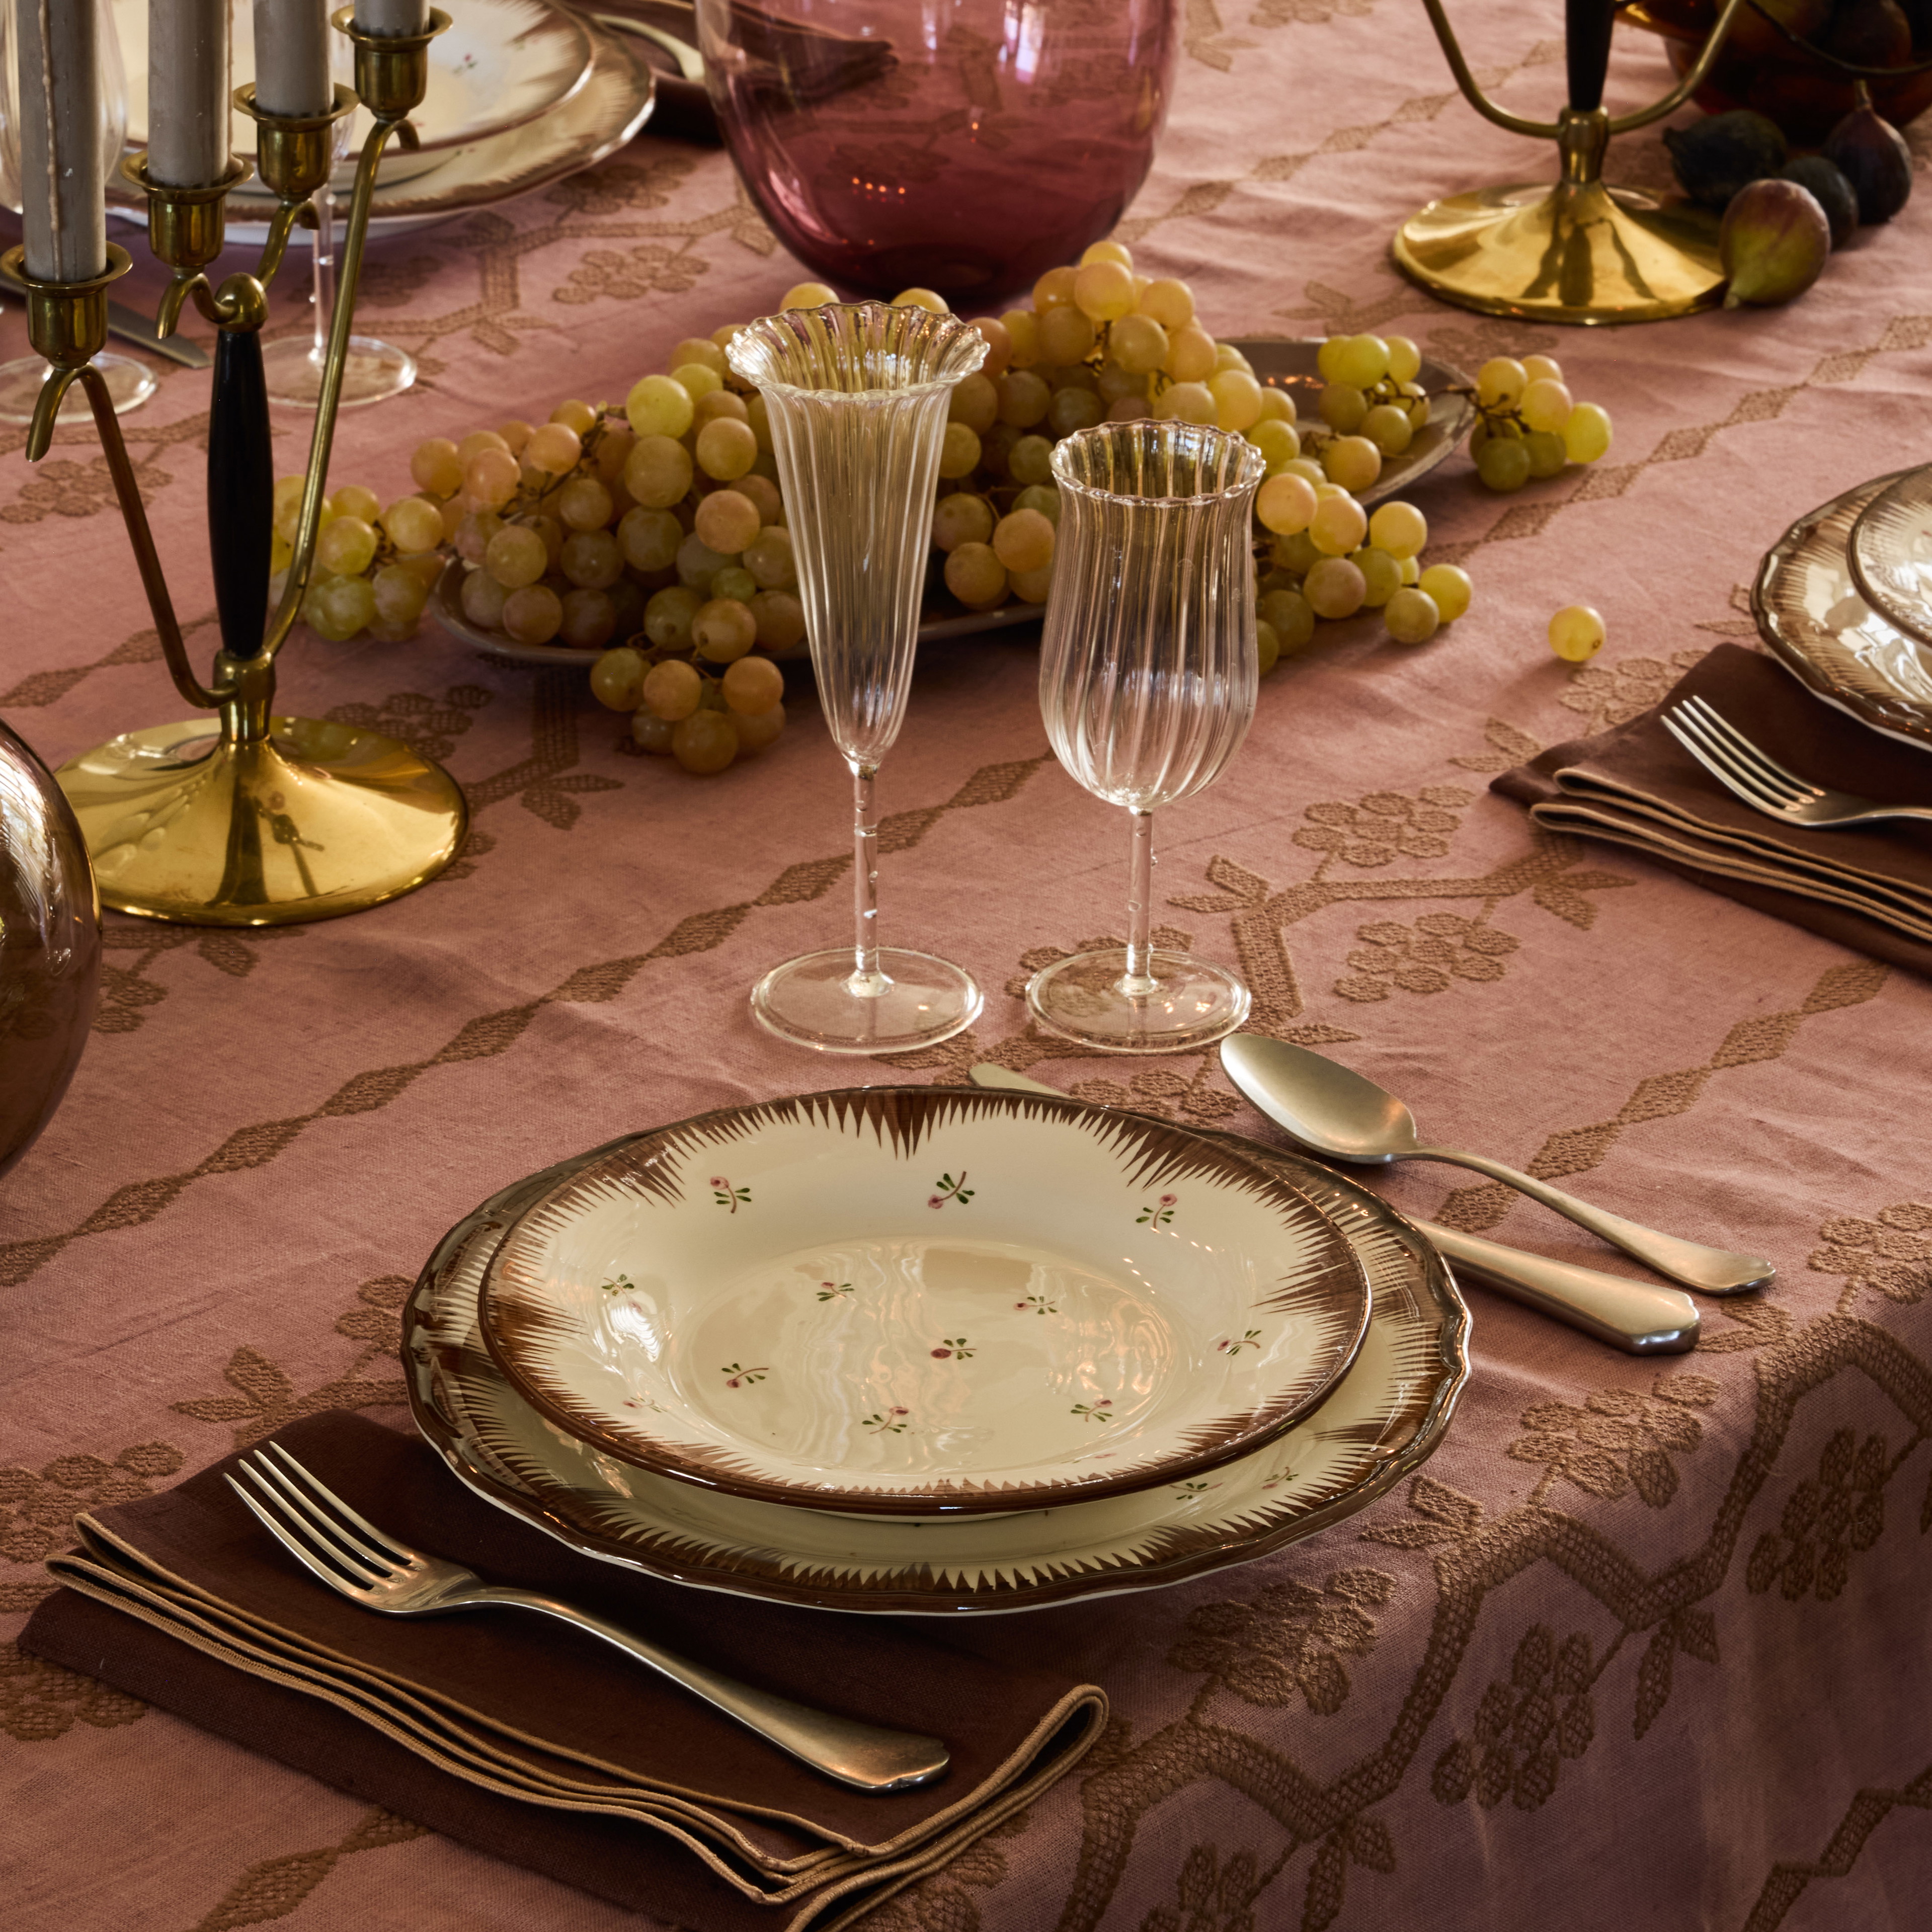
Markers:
point(130, 383)
point(857, 395)
point(1146, 683)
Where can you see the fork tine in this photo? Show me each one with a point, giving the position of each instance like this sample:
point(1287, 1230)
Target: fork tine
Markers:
point(338, 1544)
point(1740, 785)
point(1722, 728)
point(334, 1579)
point(400, 1552)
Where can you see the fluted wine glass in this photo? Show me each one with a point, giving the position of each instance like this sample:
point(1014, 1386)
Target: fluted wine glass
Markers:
point(856, 395)
point(1147, 683)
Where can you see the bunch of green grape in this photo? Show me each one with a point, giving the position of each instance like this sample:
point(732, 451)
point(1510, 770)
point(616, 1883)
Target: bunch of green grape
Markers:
point(1528, 425)
point(373, 567)
point(1371, 406)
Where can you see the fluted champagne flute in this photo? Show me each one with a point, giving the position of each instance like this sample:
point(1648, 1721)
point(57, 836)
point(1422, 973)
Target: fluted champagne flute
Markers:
point(856, 395)
point(1147, 683)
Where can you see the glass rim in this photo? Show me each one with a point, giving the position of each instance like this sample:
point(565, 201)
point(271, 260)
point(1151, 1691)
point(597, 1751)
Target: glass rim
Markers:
point(931, 385)
point(1252, 461)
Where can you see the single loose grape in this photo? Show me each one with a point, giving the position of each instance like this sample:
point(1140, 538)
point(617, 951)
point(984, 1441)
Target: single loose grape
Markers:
point(1546, 405)
point(1362, 361)
point(724, 630)
point(671, 690)
point(589, 618)
point(1277, 441)
point(1586, 436)
point(287, 505)
point(1504, 464)
point(591, 560)
point(658, 406)
point(959, 452)
point(1381, 576)
point(1066, 334)
point(1335, 588)
point(698, 563)
point(353, 500)
point(726, 449)
point(770, 562)
point(435, 467)
point(1328, 358)
point(1138, 344)
point(1277, 405)
point(1167, 302)
point(1070, 375)
point(1108, 251)
point(1389, 428)
point(1042, 497)
point(1542, 369)
point(735, 583)
point(614, 449)
point(473, 444)
point(752, 685)
point(696, 380)
point(1500, 381)
point(413, 524)
point(1129, 408)
point(781, 620)
point(583, 504)
point(1411, 571)
point(576, 414)
point(1308, 470)
point(1576, 633)
point(764, 494)
point(649, 538)
point(401, 594)
point(1547, 455)
point(1238, 399)
point(533, 615)
point(1104, 290)
point(1292, 617)
point(976, 402)
point(704, 742)
point(1023, 398)
point(338, 607)
point(727, 521)
point(617, 678)
point(1338, 527)
point(1400, 529)
point(1405, 359)
point(492, 478)
point(1032, 586)
point(1352, 461)
point(550, 531)
point(999, 346)
point(1411, 616)
point(758, 730)
point(696, 349)
point(1022, 328)
point(1285, 504)
point(1190, 354)
point(482, 600)
point(1267, 648)
point(1187, 402)
point(516, 555)
point(668, 617)
point(1450, 588)
point(1054, 289)
point(651, 734)
point(1023, 540)
point(347, 547)
point(657, 472)
point(1030, 460)
point(1294, 554)
point(554, 449)
point(975, 575)
point(1342, 406)
point(1074, 408)
point(1227, 356)
point(807, 295)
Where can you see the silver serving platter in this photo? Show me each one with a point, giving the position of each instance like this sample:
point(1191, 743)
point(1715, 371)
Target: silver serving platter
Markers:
point(1284, 363)
point(1890, 553)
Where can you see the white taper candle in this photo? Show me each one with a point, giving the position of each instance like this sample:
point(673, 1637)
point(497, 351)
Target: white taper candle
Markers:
point(292, 39)
point(392, 17)
point(64, 214)
point(188, 92)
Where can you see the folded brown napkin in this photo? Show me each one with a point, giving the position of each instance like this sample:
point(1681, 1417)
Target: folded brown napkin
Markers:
point(1636, 786)
point(532, 1741)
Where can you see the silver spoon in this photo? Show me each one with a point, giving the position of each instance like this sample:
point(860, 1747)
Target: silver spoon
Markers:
point(1335, 1112)
point(1638, 1317)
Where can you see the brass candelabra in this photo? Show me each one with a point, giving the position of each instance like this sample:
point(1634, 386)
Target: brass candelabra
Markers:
point(247, 818)
point(1577, 251)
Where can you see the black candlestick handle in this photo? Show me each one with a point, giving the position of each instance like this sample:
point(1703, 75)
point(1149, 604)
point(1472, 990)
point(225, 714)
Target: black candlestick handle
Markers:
point(241, 491)
point(1587, 25)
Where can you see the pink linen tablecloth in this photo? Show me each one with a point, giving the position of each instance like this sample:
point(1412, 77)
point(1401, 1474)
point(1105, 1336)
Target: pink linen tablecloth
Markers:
point(1646, 1644)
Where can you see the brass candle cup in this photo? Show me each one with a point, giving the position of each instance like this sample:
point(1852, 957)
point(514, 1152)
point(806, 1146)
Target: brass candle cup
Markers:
point(294, 156)
point(392, 70)
point(66, 323)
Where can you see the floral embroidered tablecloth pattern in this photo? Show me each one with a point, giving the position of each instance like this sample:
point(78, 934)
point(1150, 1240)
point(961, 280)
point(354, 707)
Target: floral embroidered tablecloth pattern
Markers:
point(1644, 1642)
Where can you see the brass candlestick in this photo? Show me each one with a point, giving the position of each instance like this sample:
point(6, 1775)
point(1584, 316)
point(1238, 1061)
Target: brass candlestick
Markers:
point(1579, 251)
point(246, 818)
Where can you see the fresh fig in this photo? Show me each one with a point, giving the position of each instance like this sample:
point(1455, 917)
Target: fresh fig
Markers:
point(1871, 33)
point(1870, 153)
point(1714, 158)
point(1830, 190)
point(1773, 243)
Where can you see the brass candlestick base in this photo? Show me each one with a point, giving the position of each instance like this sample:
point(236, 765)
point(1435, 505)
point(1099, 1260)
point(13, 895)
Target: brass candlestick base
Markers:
point(1576, 250)
point(245, 819)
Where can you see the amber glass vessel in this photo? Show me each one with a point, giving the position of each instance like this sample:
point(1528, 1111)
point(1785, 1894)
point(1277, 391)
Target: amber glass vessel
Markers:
point(963, 145)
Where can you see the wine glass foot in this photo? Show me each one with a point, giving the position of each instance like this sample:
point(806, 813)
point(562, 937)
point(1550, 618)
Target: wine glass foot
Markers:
point(1193, 1003)
point(130, 384)
point(810, 1001)
point(374, 371)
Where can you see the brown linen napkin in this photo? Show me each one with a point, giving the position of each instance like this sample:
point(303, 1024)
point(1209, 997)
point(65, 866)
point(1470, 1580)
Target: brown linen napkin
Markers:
point(1636, 786)
point(529, 1740)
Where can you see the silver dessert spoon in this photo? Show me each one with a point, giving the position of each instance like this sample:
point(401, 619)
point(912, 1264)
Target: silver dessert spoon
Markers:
point(1334, 1110)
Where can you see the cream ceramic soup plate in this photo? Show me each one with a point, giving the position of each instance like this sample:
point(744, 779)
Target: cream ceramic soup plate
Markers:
point(919, 1301)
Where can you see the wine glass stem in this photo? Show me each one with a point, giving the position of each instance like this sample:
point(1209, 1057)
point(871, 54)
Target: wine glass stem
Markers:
point(867, 982)
point(1139, 981)
point(325, 269)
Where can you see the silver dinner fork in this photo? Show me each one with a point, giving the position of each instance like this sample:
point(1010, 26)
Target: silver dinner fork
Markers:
point(370, 1567)
point(1762, 782)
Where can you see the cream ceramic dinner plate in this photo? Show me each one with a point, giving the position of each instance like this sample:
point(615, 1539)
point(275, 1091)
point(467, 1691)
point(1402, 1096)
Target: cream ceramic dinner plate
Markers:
point(1381, 1422)
point(924, 1301)
point(1809, 611)
point(499, 64)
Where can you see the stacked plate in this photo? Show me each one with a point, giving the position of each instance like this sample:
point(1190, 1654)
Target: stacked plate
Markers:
point(932, 1350)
